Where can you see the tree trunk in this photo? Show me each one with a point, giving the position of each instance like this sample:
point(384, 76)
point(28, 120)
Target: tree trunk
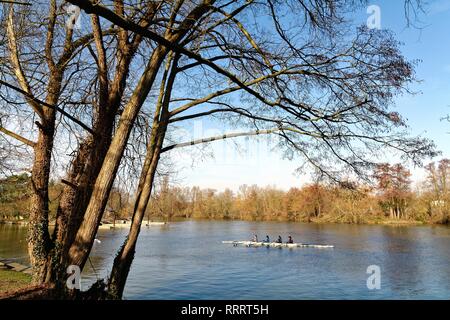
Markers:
point(125, 256)
point(89, 159)
point(76, 195)
point(39, 243)
point(123, 260)
point(81, 246)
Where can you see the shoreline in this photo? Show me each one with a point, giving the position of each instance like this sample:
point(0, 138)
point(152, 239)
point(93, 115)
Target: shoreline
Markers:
point(13, 276)
point(10, 265)
point(387, 222)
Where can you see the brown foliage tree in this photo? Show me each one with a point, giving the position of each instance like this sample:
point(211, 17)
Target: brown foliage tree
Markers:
point(394, 185)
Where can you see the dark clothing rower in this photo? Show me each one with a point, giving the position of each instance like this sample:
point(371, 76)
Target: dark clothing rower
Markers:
point(279, 240)
point(267, 239)
point(290, 240)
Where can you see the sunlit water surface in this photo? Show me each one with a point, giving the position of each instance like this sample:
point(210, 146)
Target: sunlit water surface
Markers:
point(186, 260)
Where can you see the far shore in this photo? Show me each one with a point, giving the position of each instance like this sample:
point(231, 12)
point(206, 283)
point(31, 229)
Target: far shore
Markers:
point(156, 222)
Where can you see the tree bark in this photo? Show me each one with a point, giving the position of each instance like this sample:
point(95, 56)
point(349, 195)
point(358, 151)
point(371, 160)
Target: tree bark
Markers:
point(125, 256)
point(91, 152)
point(39, 243)
point(81, 246)
point(76, 195)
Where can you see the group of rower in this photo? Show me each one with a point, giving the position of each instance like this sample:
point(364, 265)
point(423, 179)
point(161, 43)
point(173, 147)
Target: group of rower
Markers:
point(267, 240)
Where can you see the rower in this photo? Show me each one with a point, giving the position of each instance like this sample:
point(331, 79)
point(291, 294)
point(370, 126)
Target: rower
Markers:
point(290, 240)
point(255, 238)
point(267, 239)
point(279, 240)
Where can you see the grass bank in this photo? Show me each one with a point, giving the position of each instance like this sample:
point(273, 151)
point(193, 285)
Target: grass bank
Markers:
point(13, 280)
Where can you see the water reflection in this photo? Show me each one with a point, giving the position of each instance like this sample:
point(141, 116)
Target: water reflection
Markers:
point(13, 244)
point(186, 260)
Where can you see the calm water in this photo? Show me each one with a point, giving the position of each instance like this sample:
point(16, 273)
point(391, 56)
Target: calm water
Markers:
point(186, 260)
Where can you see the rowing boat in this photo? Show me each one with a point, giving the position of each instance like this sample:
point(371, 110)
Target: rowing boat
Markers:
point(278, 245)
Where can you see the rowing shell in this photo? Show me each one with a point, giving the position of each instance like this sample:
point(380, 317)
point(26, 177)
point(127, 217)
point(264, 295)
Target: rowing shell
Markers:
point(277, 245)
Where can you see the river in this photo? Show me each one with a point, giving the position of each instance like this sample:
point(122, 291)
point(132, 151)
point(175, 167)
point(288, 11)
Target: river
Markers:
point(186, 260)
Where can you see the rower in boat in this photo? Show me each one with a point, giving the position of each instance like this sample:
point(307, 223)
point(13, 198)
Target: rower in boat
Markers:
point(267, 239)
point(279, 244)
point(255, 238)
point(279, 240)
point(290, 240)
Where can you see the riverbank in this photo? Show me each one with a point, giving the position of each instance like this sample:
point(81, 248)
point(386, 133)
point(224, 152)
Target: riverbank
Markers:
point(371, 221)
point(325, 220)
point(13, 276)
point(17, 223)
point(310, 203)
point(117, 225)
point(316, 220)
point(11, 281)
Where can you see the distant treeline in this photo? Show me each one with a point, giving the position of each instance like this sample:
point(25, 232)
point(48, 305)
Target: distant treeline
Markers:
point(390, 199)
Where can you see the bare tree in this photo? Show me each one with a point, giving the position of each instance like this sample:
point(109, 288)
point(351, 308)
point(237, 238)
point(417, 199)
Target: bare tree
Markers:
point(49, 69)
point(327, 101)
point(327, 96)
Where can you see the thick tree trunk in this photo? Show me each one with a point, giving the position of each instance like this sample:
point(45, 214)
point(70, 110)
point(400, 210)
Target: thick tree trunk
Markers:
point(81, 247)
point(76, 195)
point(89, 158)
point(39, 243)
point(125, 256)
point(81, 244)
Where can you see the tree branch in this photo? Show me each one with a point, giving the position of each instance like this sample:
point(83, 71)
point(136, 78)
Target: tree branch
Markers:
point(16, 2)
point(231, 135)
point(232, 89)
point(14, 55)
point(17, 137)
point(40, 102)
point(104, 12)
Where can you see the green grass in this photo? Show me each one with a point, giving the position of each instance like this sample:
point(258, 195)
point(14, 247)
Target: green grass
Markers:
point(13, 280)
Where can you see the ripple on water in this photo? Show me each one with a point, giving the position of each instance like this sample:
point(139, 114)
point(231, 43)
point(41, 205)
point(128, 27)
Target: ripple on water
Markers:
point(187, 260)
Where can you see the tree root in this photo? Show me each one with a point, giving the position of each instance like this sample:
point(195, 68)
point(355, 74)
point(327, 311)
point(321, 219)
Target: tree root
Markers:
point(49, 292)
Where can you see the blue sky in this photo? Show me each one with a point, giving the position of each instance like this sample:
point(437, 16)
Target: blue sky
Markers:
point(253, 162)
point(430, 44)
